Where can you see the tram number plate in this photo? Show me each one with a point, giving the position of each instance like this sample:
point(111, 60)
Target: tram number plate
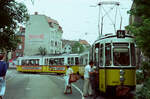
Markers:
point(121, 34)
point(57, 68)
point(31, 68)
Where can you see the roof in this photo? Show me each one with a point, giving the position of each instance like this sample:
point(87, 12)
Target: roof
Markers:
point(71, 42)
point(84, 42)
point(51, 20)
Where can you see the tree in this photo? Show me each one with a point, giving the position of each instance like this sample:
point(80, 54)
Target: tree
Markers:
point(12, 14)
point(42, 51)
point(141, 30)
point(77, 48)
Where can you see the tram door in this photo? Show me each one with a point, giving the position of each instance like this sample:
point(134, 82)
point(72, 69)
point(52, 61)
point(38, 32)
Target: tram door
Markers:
point(102, 70)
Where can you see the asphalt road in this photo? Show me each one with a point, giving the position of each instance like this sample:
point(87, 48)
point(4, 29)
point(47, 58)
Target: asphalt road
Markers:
point(40, 86)
point(36, 86)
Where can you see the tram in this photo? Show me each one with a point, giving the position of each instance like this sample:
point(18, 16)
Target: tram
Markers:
point(49, 64)
point(114, 57)
point(29, 64)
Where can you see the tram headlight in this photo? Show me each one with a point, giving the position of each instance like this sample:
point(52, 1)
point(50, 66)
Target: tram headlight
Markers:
point(122, 79)
point(122, 72)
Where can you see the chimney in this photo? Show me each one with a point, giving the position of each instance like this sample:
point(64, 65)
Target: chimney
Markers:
point(36, 13)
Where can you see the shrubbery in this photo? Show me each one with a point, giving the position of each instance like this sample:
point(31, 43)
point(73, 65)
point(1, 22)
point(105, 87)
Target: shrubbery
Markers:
point(144, 78)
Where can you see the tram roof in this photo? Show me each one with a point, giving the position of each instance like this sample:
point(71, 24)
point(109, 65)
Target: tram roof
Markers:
point(104, 37)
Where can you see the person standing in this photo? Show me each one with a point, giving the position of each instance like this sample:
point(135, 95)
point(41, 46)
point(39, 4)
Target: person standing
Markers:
point(69, 71)
point(87, 89)
point(3, 70)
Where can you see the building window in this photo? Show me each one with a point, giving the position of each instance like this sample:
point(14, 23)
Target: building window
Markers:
point(56, 43)
point(50, 24)
point(20, 46)
point(51, 43)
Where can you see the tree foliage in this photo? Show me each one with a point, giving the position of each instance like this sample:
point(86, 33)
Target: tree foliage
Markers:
point(77, 48)
point(42, 51)
point(141, 30)
point(12, 13)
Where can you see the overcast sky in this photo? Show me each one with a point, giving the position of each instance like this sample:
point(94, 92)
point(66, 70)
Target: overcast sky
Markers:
point(77, 18)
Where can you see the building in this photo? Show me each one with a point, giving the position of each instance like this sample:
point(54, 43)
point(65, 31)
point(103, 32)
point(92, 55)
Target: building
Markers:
point(42, 32)
point(67, 45)
point(85, 44)
point(20, 49)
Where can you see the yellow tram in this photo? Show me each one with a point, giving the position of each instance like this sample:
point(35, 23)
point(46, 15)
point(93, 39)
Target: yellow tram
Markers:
point(114, 56)
point(48, 64)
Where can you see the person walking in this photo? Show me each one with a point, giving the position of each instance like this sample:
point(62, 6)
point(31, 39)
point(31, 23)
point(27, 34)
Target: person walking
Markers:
point(3, 70)
point(69, 71)
point(87, 89)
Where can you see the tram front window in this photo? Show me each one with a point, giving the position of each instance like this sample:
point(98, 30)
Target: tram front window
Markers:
point(121, 57)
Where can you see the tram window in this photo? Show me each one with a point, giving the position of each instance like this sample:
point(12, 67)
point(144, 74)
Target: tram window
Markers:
point(96, 56)
point(30, 62)
point(51, 61)
point(133, 60)
point(101, 55)
point(27, 62)
point(81, 61)
point(23, 62)
point(76, 61)
point(72, 61)
point(69, 61)
point(55, 61)
point(121, 56)
point(37, 61)
point(61, 61)
point(108, 54)
point(46, 61)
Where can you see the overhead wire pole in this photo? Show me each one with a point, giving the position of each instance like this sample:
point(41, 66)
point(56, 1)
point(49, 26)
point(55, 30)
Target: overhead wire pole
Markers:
point(99, 22)
point(107, 13)
point(120, 20)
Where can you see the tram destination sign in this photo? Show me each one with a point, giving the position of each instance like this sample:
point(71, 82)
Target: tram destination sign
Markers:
point(120, 33)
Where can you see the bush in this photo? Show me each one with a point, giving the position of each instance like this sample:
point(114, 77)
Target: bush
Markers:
point(139, 76)
point(144, 92)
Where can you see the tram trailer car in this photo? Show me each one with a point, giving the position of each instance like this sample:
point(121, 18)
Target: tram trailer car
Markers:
point(58, 64)
point(29, 64)
point(114, 56)
point(48, 64)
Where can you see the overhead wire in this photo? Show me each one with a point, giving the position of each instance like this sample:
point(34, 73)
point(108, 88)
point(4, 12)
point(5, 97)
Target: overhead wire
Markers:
point(106, 13)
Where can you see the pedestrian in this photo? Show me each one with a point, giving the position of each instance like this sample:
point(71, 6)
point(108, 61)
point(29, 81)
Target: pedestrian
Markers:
point(69, 71)
point(3, 69)
point(87, 89)
point(94, 81)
